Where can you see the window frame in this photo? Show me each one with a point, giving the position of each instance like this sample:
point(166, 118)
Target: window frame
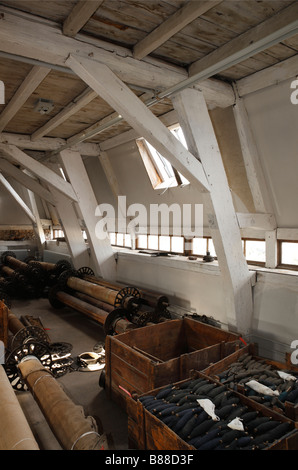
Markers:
point(280, 265)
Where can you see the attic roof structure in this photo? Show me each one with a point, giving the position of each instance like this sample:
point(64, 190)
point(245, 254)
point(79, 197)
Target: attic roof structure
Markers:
point(88, 87)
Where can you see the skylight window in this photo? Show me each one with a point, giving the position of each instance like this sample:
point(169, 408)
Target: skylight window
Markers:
point(160, 171)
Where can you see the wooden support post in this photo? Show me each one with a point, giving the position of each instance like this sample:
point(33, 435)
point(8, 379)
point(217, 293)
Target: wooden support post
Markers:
point(199, 133)
point(72, 230)
point(38, 169)
point(37, 227)
point(271, 249)
point(251, 159)
point(101, 251)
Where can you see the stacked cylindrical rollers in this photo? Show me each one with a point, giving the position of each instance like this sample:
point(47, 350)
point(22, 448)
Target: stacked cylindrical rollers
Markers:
point(249, 368)
point(177, 406)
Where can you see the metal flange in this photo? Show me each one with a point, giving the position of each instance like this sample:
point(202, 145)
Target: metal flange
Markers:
point(52, 296)
point(111, 320)
point(5, 254)
point(85, 271)
point(64, 276)
point(31, 348)
point(123, 299)
point(29, 333)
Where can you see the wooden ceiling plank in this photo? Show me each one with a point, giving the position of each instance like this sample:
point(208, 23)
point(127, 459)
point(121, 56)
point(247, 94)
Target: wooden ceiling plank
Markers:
point(78, 103)
point(134, 111)
point(79, 16)
point(38, 169)
point(185, 15)
point(27, 38)
point(26, 180)
point(269, 32)
point(31, 82)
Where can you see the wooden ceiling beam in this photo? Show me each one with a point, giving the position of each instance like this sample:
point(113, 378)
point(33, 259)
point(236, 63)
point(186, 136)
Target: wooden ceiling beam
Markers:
point(28, 86)
point(26, 180)
point(39, 170)
point(73, 107)
point(27, 37)
point(80, 14)
point(282, 25)
point(172, 25)
point(135, 112)
point(23, 141)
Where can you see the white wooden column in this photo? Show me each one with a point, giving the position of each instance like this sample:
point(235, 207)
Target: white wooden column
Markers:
point(102, 253)
point(218, 205)
point(72, 230)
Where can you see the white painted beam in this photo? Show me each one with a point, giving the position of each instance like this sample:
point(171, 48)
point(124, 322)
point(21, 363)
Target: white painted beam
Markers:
point(271, 249)
point(134, 111)
point(256, 221)
point(38, 169)
point(73, 107)
point(110, 174)
point(167, 119)
point(282, 25)
point(80, 14)
point(70, 225)
point(23, 141)
point(172, 25)
point(254, 171)
point(218, 205)
point(26, 180)
point(37, 226)
point(101, 250)
point(269, 76)
point(31, 82)
point(17, 198)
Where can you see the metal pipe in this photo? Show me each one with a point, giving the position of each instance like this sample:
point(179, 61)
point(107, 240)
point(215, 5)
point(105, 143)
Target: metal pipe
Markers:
point(98, 315)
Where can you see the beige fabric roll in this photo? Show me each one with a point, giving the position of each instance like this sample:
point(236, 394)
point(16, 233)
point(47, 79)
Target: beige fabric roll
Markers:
point(67, 421)
point(15, 432)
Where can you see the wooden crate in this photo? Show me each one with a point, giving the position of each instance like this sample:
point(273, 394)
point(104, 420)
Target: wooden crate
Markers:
point(147, 432)
point(213, 370)
point(153, 356)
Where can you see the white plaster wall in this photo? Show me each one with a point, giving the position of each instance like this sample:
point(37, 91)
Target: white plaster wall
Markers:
point(274, 122)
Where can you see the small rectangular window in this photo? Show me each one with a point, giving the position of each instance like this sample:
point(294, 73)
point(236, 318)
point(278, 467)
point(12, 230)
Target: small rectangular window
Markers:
point(255, 250)
point(160, 171)
point(153, 242)
point(120, 239)
point(164, 243)
point(199, 246)
point(289, 253)
point(177, 244)
point(142, 241)
point(112, 238)
point(127, 240)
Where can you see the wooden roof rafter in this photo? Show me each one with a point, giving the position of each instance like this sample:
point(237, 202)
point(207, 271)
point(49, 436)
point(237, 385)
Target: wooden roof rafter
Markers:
point(80, 14)
point(175, 23)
